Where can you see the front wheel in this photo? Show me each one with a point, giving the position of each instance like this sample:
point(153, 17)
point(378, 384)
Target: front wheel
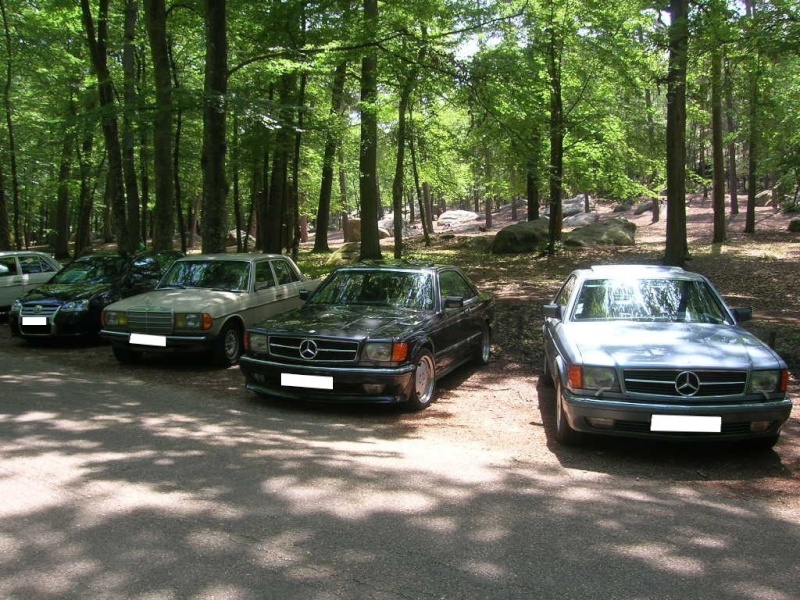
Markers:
point(424, 389)
point(228, 346)
point(564, 433)
point(484, 351)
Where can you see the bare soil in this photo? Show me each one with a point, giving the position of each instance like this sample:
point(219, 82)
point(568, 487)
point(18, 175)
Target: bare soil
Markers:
point(504, 405)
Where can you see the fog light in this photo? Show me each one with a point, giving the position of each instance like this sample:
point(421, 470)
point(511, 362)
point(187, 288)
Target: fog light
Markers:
point(373, 388)
point(759, 426)
point(600, 423)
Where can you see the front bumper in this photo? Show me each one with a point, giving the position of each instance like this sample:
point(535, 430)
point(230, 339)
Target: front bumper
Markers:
point(61, 324)
point(174, 343)
point(264, 376)
point(633, 419)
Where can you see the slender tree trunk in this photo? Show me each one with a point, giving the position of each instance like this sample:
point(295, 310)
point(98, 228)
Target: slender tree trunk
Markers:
point(423, 214)
point(129, 115)
point(368, 155)
point(279, 189)
point(215, 185)
point(397, 184)
point(235, 165)
point(328, 161)
point(5, 233)
point(163, 214)
point(116, 193)
point(61, 249)
point(676, 247)
point(298, 141)
point(556, 140)
point(717, 146)
point(176, 163)
point(733, 180)
point(752, 155)
point(83, 235)
point(12, 144)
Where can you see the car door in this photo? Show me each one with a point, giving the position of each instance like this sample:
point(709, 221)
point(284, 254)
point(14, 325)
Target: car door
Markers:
point(461, 325)
point(262, 303)
point(11, 284)
point(287, 285)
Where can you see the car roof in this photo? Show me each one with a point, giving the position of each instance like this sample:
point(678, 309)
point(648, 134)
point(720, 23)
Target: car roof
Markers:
point(395, 265)
point(20, 252)
point(231, 256)
point(637, 271)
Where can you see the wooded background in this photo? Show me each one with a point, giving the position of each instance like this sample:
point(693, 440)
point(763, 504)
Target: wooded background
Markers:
point(146, 122)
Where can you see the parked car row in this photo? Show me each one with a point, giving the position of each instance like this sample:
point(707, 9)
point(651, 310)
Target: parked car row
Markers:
point(634, 351)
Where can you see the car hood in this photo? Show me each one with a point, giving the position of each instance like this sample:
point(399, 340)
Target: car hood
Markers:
point(359, 322)
point(669, 345)
point(214, 302)
point(65, 292)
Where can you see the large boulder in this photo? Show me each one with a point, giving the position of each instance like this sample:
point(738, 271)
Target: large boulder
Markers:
point(528, 236)
point(581, 219)
point(613, 232)
point(352, 230)
point(346, 254)
point(794, 225)
point(455, 218)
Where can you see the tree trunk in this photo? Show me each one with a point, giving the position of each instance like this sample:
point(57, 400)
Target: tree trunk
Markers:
point(676, 248)
point(717, 146)
point(368, 154)
point(556, 140)
point(423, 215)
point(163, 214)
point(129, 114)
point(215, 185)
point(329, 160)
point(105, 88)
point(733, 180)
point(532, 189)
point(279, 190)
point(5, 233)
point(61, 246)
point(399, 171)
point(12, 144)
point(191, 210)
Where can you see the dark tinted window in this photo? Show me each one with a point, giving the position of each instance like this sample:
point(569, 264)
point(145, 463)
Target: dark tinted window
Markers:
point(452, 283)
point(231, 275)
point(377, 288)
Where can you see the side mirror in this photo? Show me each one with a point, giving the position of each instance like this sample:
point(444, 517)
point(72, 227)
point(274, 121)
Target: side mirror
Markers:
point(304, 295)
point(453, 302)
point(742, 314)
point(552, 311)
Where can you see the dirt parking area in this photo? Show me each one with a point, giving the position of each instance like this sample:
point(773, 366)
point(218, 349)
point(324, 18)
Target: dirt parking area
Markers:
point(503, 405)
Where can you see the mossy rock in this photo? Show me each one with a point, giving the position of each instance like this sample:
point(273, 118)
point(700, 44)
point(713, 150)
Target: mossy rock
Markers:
point(519, 238)
point(613, 232)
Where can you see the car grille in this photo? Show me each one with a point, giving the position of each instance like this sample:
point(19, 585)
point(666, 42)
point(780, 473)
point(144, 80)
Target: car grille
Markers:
point(39, 310)
point(157, 321)
point(664, 383)
point(326, 350)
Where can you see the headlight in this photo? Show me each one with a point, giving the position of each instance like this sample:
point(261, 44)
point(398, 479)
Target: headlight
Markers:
point(77, 306)
point(16, 306)
point(115, 318)
point(258, 342)
point(194, 321)
point(593, 378)
point(764, 381)
point(386, 351)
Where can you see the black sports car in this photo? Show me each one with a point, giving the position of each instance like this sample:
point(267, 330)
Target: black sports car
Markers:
point(372, 333)
point(71, 302)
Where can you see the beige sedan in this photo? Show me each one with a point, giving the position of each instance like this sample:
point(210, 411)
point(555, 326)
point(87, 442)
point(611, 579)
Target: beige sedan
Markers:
point(205, 303)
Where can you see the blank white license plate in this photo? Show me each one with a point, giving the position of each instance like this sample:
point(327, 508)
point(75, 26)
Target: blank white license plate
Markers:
point(34, 320)
point(316, 382)
point(148, 340)
point(686, 423)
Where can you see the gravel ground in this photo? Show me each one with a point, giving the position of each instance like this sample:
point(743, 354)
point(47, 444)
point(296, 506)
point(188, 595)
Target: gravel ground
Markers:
point(503, 405)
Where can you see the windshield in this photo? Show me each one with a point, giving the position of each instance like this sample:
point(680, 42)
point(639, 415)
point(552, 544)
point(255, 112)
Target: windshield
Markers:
point(377, 288)
point(91, 270)
point(231, 275)
point(648, 300)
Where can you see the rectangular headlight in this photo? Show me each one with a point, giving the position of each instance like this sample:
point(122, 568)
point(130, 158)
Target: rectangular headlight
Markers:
point(114, 318)
point(764, 381)
point(378, 351)
point(258, 342)
point(593, 378)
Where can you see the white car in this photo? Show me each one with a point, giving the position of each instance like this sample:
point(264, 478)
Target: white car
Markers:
point(21, 271)
point(205, 303)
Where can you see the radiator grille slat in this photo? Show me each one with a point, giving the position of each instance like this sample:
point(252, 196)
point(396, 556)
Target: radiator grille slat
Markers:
point(152, 321)
point(337, 351)
point(663, 382)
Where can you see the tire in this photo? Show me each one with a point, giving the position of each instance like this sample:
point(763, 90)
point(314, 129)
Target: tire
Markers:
point(125, 355)
point(484, 351)
point(228, 346)
point(424, 381)
point(547, 374)
point(565, 434)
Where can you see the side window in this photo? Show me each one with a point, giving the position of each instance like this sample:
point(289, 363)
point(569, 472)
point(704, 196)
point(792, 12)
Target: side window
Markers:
point(8, 266)
point(264, 276)
point(33, 264)
point(283, 272)
point(145, 270)
point(452, 283)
